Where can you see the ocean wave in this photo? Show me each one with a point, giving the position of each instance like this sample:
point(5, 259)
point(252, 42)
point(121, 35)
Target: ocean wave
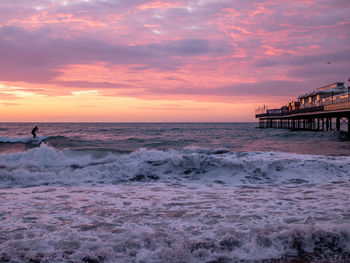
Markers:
point(297, 244)
point(58, 142)
point(133, 224)
point(24, 140)
point(45, 165)
point(308, 245)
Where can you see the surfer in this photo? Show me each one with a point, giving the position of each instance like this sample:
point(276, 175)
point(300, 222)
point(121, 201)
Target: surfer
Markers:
point(35, 129)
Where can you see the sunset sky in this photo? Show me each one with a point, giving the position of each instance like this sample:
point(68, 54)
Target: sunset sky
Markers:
point(196, 60)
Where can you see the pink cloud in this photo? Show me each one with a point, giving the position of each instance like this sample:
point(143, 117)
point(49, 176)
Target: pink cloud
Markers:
point(182, 48)
point(157, 5)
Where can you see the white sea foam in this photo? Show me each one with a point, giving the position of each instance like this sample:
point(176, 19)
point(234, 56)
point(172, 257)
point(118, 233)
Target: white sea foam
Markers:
point(46, 166)
point(32, 140)
point(191, 205)
point(158, 223)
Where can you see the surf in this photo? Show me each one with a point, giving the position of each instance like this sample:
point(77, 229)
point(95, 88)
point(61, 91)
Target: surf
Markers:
point(45, 165)
point(24, 140)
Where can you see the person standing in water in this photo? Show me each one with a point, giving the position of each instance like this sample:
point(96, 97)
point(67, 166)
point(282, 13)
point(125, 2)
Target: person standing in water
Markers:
point(35, 129)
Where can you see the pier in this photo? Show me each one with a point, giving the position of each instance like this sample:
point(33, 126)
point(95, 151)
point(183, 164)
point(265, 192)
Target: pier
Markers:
point(325, 109)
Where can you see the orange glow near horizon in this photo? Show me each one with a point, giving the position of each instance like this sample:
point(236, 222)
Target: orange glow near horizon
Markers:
point(89, 106)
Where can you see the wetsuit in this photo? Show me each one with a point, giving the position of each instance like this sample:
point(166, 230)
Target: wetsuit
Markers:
point(34, 131)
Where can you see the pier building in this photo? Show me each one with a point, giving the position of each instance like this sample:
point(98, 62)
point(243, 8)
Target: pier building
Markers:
point(324, 109)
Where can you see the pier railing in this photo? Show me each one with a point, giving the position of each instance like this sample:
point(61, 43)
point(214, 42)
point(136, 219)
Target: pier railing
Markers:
point(338, 106)
point(304, 110)
point(261, 110)
point(332, 100)
point(338, 102)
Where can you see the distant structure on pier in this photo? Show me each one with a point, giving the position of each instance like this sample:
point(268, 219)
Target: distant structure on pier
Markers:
point(311, 111)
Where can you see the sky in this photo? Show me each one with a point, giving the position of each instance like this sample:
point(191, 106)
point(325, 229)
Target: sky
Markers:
point(167, 61)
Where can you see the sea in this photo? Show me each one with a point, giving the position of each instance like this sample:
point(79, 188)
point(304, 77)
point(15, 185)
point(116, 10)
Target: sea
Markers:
point(173, 193)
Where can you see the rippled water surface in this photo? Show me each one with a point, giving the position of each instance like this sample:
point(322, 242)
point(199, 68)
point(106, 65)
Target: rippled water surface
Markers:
point(178, 192)
point(237, 137)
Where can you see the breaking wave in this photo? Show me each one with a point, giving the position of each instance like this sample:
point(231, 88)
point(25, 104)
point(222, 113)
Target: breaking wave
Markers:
point(295, 245)
point(24, 140)
point(45, 165)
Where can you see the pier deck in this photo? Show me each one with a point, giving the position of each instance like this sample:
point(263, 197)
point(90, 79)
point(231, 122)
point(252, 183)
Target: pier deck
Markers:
point(318, 118)
point(325, 109)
